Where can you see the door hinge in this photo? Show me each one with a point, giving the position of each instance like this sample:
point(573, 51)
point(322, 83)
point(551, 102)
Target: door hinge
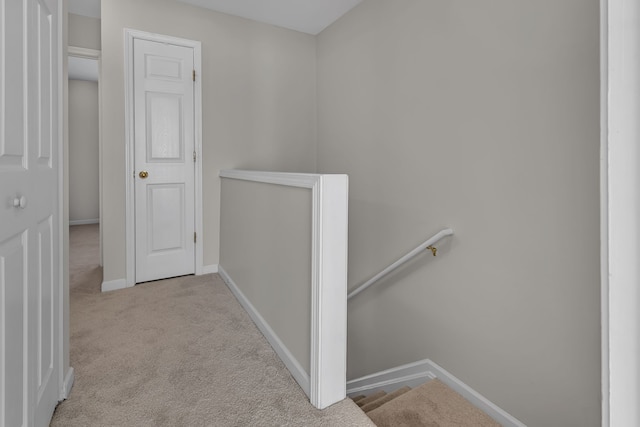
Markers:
point(194, 237)
point(194, 156)
point(194, 75)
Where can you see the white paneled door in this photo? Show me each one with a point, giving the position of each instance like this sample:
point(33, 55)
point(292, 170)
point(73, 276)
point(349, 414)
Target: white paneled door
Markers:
point(30, 324)
point(164, 160)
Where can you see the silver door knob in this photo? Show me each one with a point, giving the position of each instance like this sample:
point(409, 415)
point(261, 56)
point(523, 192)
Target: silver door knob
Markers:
point(20, 202)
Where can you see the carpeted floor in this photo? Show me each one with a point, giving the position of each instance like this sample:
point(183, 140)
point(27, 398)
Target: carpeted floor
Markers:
point(176, 352)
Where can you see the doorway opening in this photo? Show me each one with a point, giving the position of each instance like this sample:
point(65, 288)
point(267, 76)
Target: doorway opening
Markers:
point(83, 166)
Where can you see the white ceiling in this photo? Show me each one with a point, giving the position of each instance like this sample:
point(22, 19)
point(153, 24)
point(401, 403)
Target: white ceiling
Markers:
point(83, 69)
point(307, 16)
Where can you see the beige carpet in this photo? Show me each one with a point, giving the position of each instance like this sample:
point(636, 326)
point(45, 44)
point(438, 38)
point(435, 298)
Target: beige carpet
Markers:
point(433, 404)
point(177, 352)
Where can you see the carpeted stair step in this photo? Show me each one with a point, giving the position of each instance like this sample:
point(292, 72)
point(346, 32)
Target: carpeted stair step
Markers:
point(370, 398)
point(431, 404)
point(384, 399)
point(358, 398)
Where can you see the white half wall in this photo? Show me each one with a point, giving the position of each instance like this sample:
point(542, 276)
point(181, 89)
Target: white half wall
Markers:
point(266, 250)
point(284, 255)
point(621, 212)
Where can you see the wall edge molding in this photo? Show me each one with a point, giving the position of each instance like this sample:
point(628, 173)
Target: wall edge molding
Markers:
point(411, 374)
point(67, 385)
point(83, 52)
point(209, 269)
point(114, 285)
point(330, 202)
point(84, 221)
point(304, 180)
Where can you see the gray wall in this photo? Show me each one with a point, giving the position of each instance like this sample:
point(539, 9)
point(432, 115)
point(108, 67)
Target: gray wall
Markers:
point(259, 105)
point(482, 116)
point(84, 31)
point(83, 150)
point(266, 236)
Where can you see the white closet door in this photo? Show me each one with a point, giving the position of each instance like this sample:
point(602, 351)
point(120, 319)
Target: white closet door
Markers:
point(29, 236)
point(164, 160)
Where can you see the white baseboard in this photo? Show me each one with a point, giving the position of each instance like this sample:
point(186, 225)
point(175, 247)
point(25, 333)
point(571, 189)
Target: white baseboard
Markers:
point(114, 285)
point(84, 221)
point(68, 384)
point(208, 269)
point(414, 374)
point(283, 352)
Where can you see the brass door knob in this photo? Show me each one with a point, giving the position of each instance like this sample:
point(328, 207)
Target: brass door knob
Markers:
point(143, 174)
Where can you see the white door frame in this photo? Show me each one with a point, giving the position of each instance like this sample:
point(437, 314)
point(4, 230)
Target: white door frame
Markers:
point(130, 36)
point(620, 211)
point(66, 373)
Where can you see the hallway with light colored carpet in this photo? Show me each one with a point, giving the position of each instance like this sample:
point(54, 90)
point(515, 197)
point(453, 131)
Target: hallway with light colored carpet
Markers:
point(176, 352)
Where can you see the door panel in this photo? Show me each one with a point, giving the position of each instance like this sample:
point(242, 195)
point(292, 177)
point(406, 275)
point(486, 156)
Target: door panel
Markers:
point(12, 141)
point(167, 206)
point(13, 287)
point(164, 68)
point(44, 125)
point(41, 133)
point(29, 218)
point(46, 309)
point(164, 121)
point(164, 146)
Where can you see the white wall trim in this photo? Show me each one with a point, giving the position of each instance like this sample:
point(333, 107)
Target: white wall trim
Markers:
point(475, 398)
point(197, 111)
point(621, 231)
point(330, 199)
point(604, 214)
point(414, 374)
point(82, 52)
point(329, 290)
point(84, 221)
point(67, 385)
point(130, 35)
point(304, 180)
point(129, 131)
point(62, 229)
point(208, 269)
point(411, 374)
point(297, 371)
point(114, 285)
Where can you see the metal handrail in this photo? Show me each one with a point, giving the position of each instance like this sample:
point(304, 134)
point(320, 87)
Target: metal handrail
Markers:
point(428, 244)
